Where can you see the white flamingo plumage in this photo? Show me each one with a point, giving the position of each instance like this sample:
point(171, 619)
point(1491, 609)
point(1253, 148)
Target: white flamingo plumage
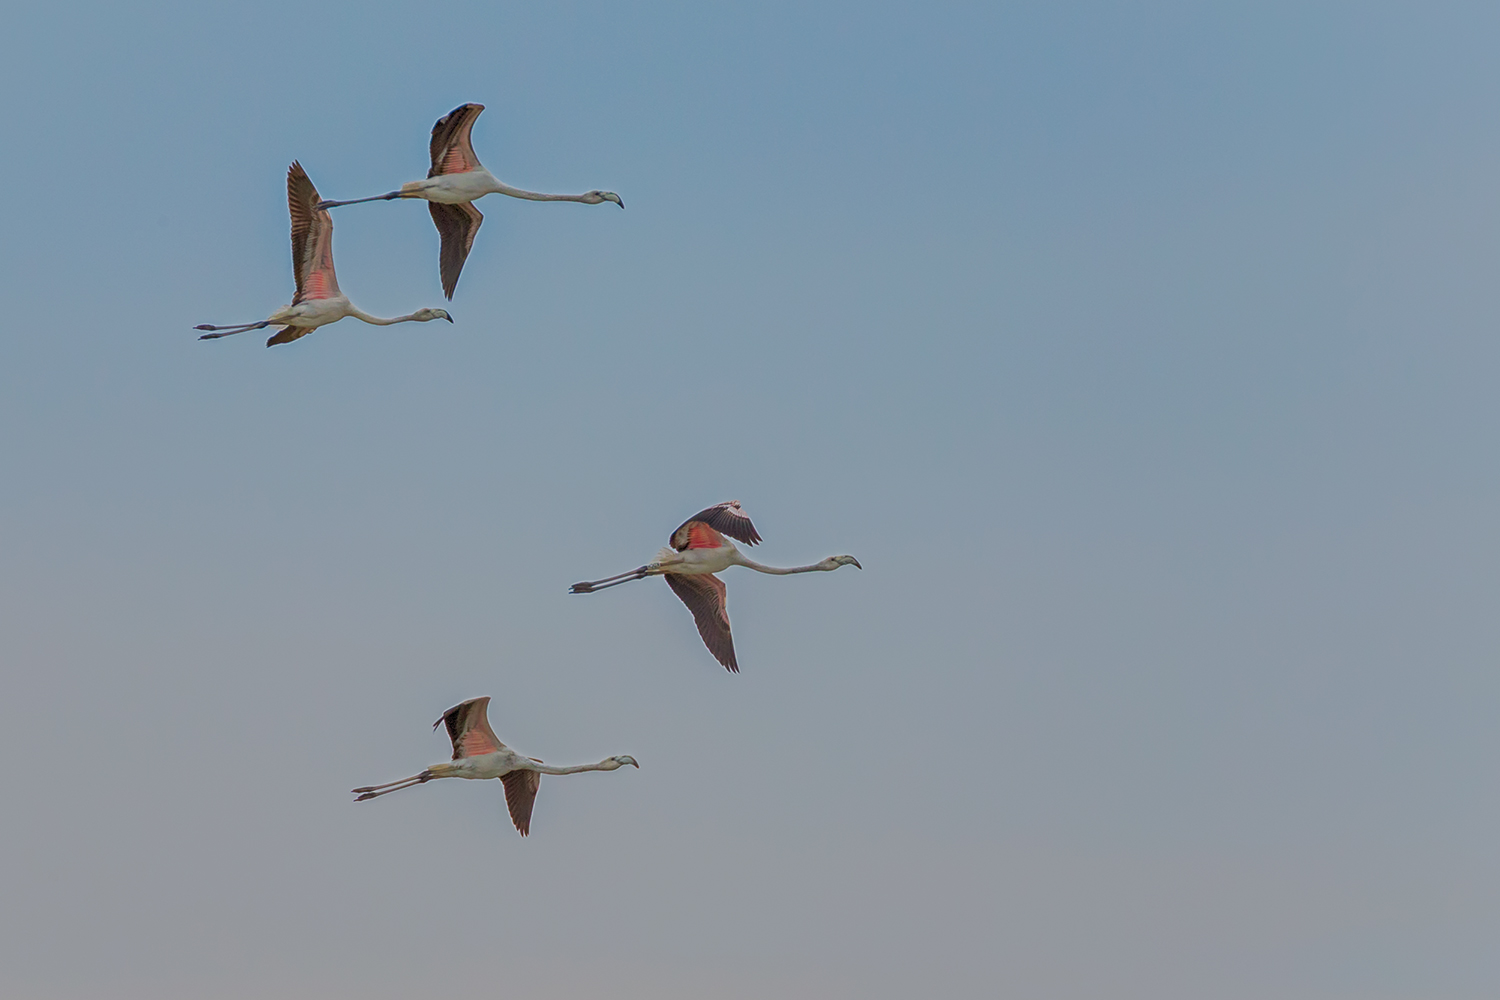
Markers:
point(479, 754)
point(454, 182)
point(318, 300)
point(699, 549)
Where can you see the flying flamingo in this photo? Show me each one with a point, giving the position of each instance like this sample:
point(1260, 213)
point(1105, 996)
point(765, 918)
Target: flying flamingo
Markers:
point(698, 551)
point(456, 180)
point(478, 753)
point(318, 301)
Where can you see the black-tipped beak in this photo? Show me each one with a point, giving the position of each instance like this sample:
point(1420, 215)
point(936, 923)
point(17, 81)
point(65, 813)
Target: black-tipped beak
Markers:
point(635, 765)
point(448, 318)
point(856, 563)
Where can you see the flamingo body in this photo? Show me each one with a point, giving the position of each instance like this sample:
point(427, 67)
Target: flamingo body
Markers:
point(700, 548)
point(692, 562)
point(318, 300)
point(455, 181)
point(455, 189)
point(479, 755)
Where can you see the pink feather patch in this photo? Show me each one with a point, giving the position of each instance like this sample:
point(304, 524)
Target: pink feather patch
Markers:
point(701, 536)
point(454, 162)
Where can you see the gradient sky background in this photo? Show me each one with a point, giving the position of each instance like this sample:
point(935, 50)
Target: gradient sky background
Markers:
point(1146, 354)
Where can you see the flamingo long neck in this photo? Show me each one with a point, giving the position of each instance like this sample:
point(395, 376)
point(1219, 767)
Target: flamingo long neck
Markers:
point(575, 769)
point(741, 559)
point(503, 188)
point(376, 320)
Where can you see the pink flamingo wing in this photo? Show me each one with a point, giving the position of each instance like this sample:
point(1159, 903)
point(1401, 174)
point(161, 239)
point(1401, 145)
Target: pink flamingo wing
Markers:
point(455, 162)
point(726, 517)
point(312, 239)
point(450, 148)
point(320, 284)
point(705, 597)
point(456, 226)
point(469, 729)
point(476, 744)
point(520, 795)
point(701, 536)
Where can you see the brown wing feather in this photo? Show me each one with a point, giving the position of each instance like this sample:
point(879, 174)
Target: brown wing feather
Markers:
point(520, 794)
point(297, 185)
point(727, 518)
point(312, 238)
point(287, 334)
point(705, 597)
point(456, 226)
point(469, 729)
point(451, 136)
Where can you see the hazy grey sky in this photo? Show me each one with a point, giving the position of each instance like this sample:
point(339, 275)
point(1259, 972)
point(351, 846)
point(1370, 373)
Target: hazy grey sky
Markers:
point(1146, 355)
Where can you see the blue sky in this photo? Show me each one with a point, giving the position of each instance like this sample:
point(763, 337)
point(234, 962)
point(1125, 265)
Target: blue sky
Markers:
point(1143, 353)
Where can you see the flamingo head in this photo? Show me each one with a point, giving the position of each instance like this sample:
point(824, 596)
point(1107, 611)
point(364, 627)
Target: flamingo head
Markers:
point(620, 761)
point(427, 315)
point(597, 197)
point(834, 562)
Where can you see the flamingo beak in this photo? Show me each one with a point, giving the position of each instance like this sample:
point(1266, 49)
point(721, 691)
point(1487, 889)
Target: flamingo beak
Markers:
point(855, 563)
point(448, 318)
